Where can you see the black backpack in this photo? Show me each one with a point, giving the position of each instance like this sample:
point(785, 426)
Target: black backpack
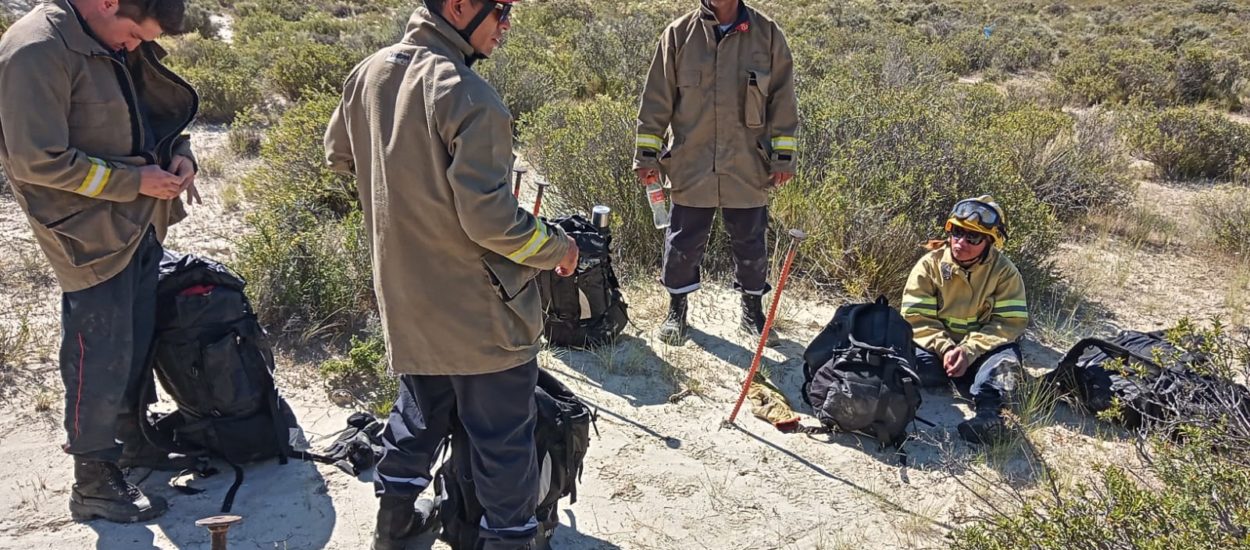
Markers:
point(1148, 392)
point(585, 309)
point(212, 356)
point(858, 373)
point(562, 438)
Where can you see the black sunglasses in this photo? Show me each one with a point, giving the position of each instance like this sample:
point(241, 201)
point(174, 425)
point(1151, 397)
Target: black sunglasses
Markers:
point(971, 237)
point(505, 11)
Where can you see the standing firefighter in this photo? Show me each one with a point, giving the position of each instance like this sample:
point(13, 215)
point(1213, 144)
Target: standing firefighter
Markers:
point(722, 86)
point(454, 258)
point(92, 144)
point(965, 302)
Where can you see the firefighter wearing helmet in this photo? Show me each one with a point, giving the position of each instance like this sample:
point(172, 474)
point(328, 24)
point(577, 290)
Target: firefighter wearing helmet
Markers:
point(965, 302)
point(430, 145)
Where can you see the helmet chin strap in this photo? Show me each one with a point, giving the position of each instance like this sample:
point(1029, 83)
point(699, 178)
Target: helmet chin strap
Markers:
point(467, 32)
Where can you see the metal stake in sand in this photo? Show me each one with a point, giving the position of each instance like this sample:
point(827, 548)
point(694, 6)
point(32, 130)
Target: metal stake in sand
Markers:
point(538, 201)
point(218, 526)
point(796, 237)
point(516, 182)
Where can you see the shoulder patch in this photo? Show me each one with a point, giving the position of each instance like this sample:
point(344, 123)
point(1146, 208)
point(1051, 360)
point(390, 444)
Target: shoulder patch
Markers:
point(399, 58)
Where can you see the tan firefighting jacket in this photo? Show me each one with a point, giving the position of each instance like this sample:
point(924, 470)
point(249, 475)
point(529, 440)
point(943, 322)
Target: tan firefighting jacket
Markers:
point(717, 117)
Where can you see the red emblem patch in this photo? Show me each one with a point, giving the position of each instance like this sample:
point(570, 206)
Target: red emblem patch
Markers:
point(744, 27)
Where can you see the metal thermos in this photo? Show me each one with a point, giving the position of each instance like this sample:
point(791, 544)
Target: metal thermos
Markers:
point(599, 216)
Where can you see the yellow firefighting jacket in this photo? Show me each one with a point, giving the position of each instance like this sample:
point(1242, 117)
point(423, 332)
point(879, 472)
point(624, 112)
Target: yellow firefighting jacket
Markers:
point(978, 309)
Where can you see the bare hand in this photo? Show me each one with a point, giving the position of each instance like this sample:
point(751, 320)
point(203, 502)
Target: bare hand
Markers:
point(569, 263)
point(157, 183)
point(781, 178)
point(955, 362)
point(647, 176)
point(185, 169)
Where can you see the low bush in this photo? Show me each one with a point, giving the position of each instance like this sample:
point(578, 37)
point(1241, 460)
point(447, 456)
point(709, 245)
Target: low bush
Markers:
point(1192, 493)
point(1226, 216)
point(1202, 74)
point(247, 132)
point(198, 20)
point(364, 373)
point(225, 80)
point(1116, 70)
point(311, 68)
point(1188, 142)
point(307, 255)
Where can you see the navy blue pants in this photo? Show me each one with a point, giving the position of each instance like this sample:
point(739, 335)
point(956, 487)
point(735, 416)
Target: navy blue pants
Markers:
point(686, 242)
point(990, 377)
point(498, 413)
point(106, 332)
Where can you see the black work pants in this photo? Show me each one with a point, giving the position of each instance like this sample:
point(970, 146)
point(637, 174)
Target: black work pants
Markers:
point(686, 242)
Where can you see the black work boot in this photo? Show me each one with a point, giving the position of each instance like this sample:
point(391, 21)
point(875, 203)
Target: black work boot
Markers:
point(401, 518)
point(673, 331)
point(101, 491)
point(753, 319)
point(987, 427)
point(138, 452)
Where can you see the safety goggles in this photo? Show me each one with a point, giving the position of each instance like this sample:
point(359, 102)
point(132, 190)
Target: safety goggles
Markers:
point(971, 237)
point(984, 213)
point(504, 11)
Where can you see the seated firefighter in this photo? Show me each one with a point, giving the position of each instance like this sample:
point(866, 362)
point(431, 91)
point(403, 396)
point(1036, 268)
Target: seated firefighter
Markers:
point(965, 301)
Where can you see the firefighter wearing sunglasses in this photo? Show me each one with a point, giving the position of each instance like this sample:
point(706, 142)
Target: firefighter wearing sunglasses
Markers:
point(430, 145)
point(965, 301)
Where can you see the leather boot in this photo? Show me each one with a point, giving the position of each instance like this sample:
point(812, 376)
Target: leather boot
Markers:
point(753, 318)
point(101, 491)
point(400, 519)
point(987, 427)
point(673, 331)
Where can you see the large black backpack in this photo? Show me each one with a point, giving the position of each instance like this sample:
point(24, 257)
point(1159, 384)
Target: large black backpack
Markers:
point(585, 309)
point(214, 359)
point(1126, 370)
point(562, 438)
point(858, 373)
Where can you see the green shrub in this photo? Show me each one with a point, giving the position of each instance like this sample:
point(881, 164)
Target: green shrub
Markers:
point(1186, 142)
point(311, 69)
point(247, 133)
point(1226, 216)
point(197, 20)
point(1202, 74)
point(4, 23)
point(1072, 166)
point(293, 168)
point(225, 80)
point(1190, 494)
point(364, 373)
point(585, 149)
point(1114, 70)
point(307, 255)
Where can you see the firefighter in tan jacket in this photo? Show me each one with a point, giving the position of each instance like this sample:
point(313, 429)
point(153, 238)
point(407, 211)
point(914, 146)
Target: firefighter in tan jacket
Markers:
point(719, 120)
point(965, 302)
point(454, 258)
point(91, 141)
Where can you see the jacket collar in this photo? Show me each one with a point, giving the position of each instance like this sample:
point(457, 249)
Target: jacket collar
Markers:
point(741, 24)
point(72, 28)
point(949, 258)
point(430, 29)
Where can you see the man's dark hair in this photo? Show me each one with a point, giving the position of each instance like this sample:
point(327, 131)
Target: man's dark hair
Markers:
point(169, 14)
point(436, 6)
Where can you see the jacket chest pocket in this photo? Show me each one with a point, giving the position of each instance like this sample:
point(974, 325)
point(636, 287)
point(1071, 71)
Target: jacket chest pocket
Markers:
point(99, 114)
point(756, 98)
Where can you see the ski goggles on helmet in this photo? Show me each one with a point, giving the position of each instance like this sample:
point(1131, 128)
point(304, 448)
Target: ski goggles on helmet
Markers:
point(984, 214)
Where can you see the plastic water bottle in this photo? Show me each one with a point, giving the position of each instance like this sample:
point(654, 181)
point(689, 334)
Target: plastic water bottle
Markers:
point(659, 210)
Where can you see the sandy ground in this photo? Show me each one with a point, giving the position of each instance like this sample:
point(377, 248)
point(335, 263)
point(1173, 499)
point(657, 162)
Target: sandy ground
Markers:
point(660, 474)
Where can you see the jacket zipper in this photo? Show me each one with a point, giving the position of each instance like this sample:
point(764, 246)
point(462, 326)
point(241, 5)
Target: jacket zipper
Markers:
point(132, 102)
point(172, 77)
